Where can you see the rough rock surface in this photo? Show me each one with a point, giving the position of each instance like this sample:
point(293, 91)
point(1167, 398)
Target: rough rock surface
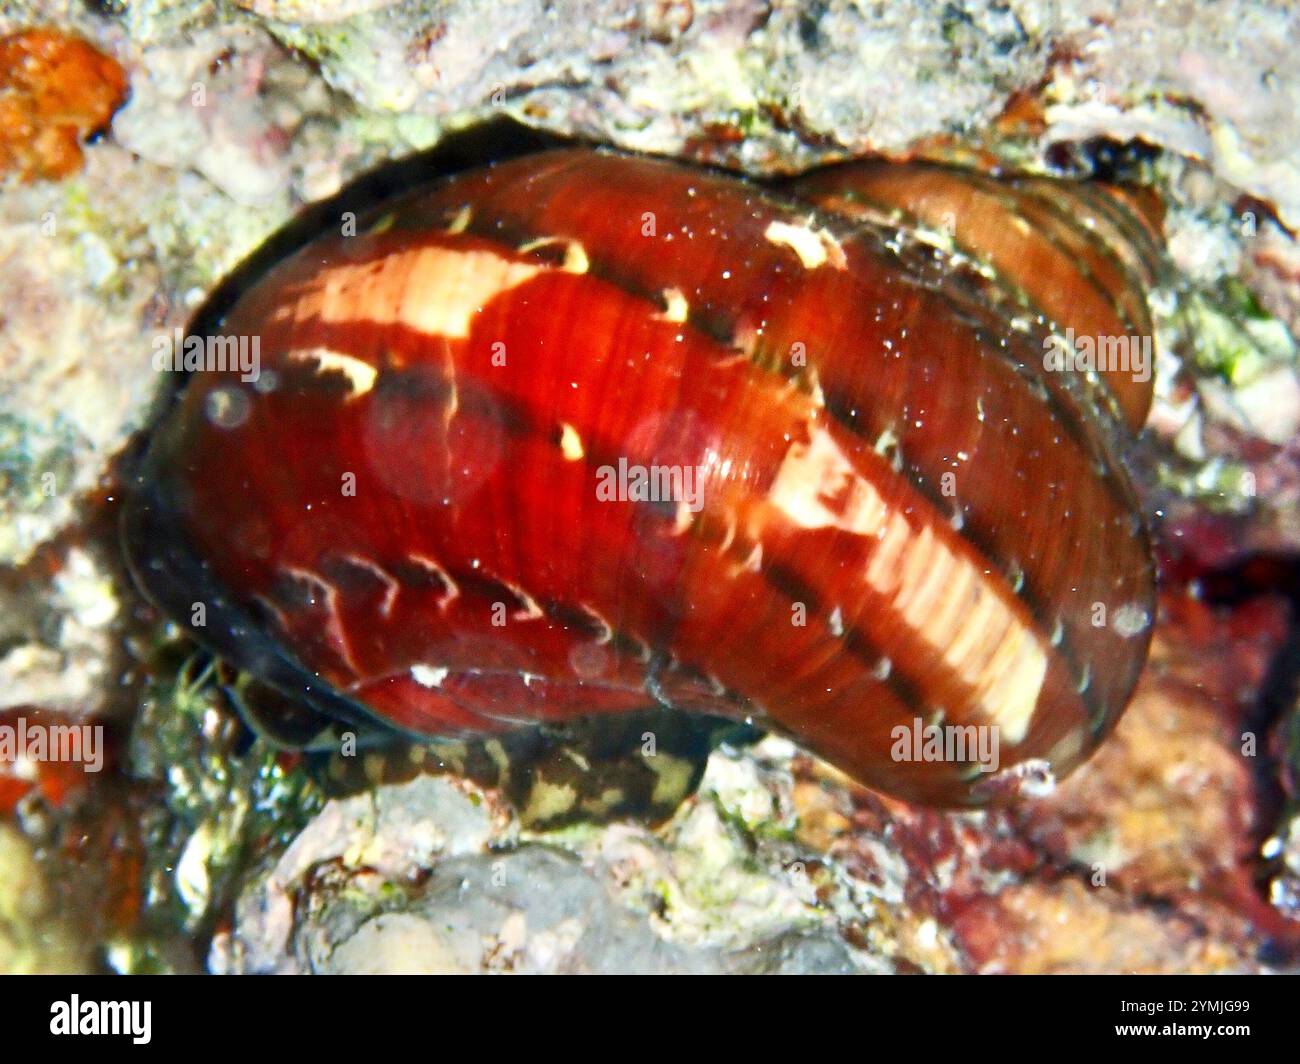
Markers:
point(420, 877)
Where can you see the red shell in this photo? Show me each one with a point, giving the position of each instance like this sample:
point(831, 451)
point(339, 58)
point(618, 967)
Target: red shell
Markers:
point(903, 518)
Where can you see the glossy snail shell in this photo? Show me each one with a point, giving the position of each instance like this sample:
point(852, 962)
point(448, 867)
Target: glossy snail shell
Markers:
point(886, 514)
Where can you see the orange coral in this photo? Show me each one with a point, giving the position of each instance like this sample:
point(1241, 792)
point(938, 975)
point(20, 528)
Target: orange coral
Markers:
point(55, 90)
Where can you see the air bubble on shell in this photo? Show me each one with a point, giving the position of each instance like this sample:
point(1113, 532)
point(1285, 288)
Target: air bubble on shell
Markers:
point(1032, 778)
point(226, 407)
point(1131, 619)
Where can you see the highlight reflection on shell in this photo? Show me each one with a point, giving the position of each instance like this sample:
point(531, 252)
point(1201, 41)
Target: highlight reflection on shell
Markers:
point(582, 432)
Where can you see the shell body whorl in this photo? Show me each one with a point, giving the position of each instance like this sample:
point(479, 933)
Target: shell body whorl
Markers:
point(581, 431)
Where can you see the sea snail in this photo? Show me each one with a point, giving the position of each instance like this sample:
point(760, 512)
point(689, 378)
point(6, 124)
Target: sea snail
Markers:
point(581, 432)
